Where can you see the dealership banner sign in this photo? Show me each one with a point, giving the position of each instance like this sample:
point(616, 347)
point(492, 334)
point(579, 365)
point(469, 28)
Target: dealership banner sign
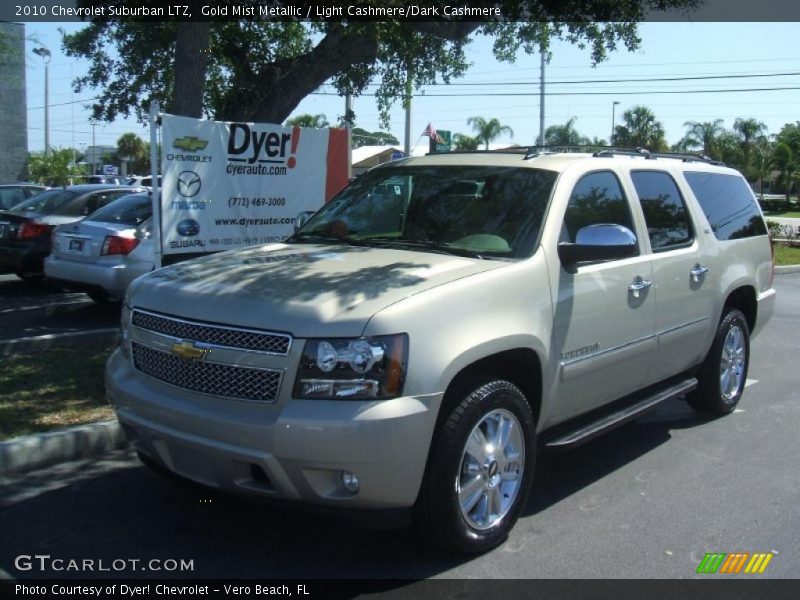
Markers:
point(229, 185)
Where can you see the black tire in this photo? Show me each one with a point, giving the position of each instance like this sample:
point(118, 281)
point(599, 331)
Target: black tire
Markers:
point(438, 515)
point(30, 276)
point(100, 296)
point(711, 396)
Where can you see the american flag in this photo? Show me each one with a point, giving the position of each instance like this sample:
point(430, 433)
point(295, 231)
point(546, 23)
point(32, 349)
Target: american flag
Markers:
point(430, 131)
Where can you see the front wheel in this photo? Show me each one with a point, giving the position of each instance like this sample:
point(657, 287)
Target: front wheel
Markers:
point(724, 372)
point(480, 470)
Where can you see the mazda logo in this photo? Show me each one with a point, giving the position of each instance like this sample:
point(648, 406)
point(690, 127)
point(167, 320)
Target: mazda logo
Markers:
point(188, 184)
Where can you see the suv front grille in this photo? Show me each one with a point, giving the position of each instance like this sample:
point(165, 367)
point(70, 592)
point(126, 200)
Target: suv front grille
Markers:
point(215, 379)
point(244, 339)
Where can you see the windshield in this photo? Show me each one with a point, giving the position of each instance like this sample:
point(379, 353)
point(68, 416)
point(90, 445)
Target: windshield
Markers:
point(46, 202)
point(128, 210)
point(483, 211)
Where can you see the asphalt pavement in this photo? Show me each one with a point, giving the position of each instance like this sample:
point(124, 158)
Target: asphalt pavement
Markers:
point(646, 501)
point(37, 309)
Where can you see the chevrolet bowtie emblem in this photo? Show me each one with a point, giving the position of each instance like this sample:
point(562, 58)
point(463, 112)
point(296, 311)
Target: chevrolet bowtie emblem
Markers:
point(188, 351)
point(190, 143)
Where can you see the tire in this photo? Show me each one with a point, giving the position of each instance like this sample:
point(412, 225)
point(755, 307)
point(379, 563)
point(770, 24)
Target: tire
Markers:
point(460, 467)
point(724, 371)
point(99, 296)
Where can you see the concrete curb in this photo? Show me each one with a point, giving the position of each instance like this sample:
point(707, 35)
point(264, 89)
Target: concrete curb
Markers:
point(31, 452)
point(787, 269)
point(43, 342)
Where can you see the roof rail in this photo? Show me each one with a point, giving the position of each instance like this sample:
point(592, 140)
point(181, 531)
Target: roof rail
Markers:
point(685, 156)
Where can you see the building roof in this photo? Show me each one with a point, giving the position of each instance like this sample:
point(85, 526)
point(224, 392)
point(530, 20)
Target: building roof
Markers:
point(363, 153)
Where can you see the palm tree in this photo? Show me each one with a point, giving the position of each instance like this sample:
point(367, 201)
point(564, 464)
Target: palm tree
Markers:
point(487, 131)
point(132, 151)
point(306, 120)
point(784, 160)
point(704, 134)
point(641, 129)
point(749, 131)
point(565, 135)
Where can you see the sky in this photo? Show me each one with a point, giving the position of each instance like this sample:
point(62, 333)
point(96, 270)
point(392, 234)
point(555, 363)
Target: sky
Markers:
point(738, 56)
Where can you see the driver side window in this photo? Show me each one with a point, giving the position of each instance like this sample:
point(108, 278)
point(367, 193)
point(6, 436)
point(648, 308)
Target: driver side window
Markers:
point(597, 199)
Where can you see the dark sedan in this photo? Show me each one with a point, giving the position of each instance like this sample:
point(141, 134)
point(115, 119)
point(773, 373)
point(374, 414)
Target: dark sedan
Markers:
point(25, 230)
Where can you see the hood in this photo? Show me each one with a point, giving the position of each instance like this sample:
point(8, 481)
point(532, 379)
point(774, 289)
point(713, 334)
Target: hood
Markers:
point(307, 290)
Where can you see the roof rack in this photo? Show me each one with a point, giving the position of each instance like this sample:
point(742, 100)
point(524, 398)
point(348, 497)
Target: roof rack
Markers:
point(685, 156)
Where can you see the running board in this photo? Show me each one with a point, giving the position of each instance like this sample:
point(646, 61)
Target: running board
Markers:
point(586, 432)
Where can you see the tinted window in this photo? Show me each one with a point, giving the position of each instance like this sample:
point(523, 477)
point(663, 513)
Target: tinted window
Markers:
point(728, 204)
point(596, 199)
point(46, 202)
point(10, 196)
point(128, 210)
point(665, 213)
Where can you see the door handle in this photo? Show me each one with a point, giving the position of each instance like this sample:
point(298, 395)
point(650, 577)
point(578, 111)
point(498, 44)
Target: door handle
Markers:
point(638, 285)
point(697, 272)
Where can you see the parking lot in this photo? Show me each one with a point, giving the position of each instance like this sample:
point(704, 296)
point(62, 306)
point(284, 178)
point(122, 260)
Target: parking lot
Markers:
point(646, 501)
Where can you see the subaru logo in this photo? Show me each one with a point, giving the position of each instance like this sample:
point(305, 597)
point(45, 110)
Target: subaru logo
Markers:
point(188, 228)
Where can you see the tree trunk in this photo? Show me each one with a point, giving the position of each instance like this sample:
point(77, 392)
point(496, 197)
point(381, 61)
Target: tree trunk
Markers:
point(191, 61)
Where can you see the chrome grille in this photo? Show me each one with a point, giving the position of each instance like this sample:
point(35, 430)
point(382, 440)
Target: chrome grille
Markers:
point(245, 339)
point(216, 379)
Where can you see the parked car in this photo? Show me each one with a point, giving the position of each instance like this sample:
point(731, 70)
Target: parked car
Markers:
point(102, 254)
point(415, 352)
point(143, 180)
point(25, 229)
point(14, 193)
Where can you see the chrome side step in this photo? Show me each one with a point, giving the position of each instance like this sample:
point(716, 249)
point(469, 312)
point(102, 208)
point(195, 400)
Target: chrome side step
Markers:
point(589, 431)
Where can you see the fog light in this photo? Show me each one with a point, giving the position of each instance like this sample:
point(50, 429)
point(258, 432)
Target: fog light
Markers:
point(350, 481)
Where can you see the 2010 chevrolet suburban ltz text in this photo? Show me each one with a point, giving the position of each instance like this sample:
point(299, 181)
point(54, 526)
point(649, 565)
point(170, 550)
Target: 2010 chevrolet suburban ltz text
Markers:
point(443, 318)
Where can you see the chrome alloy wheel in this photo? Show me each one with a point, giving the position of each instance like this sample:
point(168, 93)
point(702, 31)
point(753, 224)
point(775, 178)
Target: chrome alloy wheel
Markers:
point(732, 363)
point(491, 470)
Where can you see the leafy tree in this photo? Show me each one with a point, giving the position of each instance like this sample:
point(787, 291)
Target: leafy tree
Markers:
point(704, 135)
point(55, 169)
point(641, 129)
point(465, 142)
point(306, 120)
point(362, 137)
point(565, 135)
point(260, 70)
point(488, 130)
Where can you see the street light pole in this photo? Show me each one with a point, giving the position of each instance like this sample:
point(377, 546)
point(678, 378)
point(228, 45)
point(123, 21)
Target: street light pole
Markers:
point(613, 115)
point(45, 54)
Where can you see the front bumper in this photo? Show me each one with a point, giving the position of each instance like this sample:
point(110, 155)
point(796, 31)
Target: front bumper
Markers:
point(291, 450)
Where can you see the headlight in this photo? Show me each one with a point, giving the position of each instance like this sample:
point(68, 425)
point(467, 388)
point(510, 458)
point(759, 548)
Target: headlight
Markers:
point(353, 369)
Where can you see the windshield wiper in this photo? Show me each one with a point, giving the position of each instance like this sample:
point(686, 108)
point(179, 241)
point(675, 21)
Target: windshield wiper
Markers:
point(430, 245)
point(321, 237)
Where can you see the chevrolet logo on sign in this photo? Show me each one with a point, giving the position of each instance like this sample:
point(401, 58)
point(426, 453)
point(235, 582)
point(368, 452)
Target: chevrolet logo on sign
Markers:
point(190, 143)
point(188, 351)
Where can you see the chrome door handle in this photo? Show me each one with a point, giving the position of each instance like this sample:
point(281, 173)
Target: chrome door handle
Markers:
point(638, 285)
point(697, 272)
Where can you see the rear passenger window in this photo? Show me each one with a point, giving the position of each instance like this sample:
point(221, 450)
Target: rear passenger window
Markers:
point(728, 204)
point(665, 212)
point(597, 198)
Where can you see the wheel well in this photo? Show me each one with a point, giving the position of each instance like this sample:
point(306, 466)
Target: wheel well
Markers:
point(744, 298)
point(520, 366)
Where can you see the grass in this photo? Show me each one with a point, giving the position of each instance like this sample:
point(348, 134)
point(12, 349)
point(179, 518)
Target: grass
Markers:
point(789, 214)
point(54, 388)
point(787, 255)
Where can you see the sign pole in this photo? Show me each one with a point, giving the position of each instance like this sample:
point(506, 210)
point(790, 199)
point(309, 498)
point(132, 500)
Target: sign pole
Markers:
point(154, 122)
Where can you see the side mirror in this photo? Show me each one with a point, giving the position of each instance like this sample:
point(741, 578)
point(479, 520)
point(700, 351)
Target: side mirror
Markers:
point(598, 243)
point(302, 219)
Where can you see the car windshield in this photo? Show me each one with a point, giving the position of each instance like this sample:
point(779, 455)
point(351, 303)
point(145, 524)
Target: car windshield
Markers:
point(46, 202)
point(482, 211)
point(128, 210)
